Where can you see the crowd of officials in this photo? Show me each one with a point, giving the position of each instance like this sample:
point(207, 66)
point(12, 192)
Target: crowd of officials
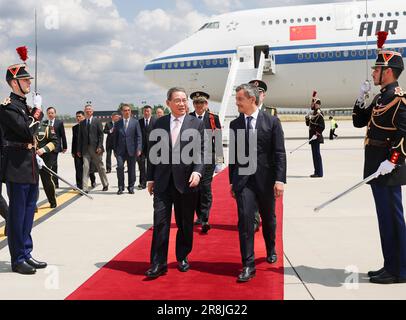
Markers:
point(30, 149)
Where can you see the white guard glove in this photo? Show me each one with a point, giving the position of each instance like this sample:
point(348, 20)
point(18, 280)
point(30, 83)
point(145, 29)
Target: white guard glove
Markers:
point(386, 167)
point(218, 168)
point(40, 162)
point(314, 137)
point(38, 101)
point(364, 91)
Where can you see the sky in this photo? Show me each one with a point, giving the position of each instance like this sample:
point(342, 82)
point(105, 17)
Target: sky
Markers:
point(95, 50)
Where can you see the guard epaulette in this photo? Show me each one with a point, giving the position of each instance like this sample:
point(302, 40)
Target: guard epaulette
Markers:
point(6, 102)
point(399, 92)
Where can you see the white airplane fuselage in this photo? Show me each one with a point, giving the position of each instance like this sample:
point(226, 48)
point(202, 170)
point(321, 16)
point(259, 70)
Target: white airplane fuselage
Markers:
point(316, 47)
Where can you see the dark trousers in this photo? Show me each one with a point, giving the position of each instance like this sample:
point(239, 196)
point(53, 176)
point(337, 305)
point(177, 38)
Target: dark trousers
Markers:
point(392, 229)
point(205, 197)
point(317, 162)
point(248, 201)
point(108, 158)
point(47, 179)
point(184, 205)
point(142, 165)
point(332, 134)
point(54, 168)
point(79, 172)
point(121, 159)
point(22, 202)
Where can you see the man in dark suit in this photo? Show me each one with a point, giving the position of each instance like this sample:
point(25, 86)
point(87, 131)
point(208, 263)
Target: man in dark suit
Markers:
point(213, 129)
point(80, 116)
point(146, 123)
point(90, 147)
point(62, 144)
point(127, 147)
point(109, 130)
point(173, 178)
point(257, 145)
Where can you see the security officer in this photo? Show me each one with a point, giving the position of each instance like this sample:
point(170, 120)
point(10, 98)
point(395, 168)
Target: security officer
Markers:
point(213, 129)
point(47, 141)
point(20, 123)
point(385, 151)
point(315, 122)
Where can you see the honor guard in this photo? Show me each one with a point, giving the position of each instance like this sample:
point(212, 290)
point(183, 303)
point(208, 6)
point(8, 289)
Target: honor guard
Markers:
point(213, 129)
point(20, 123)
point(315, 121)
point(385, 151)
point(47, 141)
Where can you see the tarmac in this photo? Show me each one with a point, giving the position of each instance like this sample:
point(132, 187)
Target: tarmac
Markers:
point(327, 254)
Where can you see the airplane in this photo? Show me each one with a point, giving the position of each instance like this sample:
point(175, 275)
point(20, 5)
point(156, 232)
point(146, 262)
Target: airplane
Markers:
point(329, 48)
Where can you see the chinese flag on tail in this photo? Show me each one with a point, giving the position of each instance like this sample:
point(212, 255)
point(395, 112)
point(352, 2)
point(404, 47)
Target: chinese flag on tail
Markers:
point(303, 33)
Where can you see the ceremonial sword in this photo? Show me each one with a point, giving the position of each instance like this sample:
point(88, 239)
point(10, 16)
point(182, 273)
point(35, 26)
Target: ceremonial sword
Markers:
point(366, 180)
point(43, 166)
point(308, 141)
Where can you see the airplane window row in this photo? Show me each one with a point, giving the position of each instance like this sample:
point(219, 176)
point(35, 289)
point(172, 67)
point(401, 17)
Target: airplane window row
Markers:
point(381, 15)
point(211, 25)
point(298, 20)
point(194, 64)
point(339, 54)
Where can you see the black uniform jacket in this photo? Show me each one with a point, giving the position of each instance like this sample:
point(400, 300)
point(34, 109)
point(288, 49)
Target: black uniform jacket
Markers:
point(19, 128)
point(316, 125)
point(218, 155)
point(385, 120)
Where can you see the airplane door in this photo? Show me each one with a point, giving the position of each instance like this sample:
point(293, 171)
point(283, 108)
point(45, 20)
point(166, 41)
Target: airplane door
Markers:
point(344, 16)
point(257, 51)
point(245, 55)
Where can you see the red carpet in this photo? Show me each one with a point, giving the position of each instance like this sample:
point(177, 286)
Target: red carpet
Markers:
point(215, 263)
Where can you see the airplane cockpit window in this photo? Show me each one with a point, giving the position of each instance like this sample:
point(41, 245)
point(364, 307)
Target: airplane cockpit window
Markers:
point(204, 26)
point(211, 25)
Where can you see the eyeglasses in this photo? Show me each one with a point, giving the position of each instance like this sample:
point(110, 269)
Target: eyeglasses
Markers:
point(179, 101)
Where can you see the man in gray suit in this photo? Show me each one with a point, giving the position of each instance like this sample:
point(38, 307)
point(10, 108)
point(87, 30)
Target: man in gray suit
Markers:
point(127, 147)
point(90, 147)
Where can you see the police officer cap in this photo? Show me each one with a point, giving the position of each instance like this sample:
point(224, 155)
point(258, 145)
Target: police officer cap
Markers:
point(199, 96)
point(260, 84)
point(389, 59)
point(17, 72)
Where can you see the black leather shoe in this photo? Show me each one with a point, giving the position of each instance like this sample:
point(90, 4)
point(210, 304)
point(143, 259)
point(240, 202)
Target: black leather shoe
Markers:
point(205, 227)
point(156, 270)
point(120, 191)
point(24, 268)
point(198, 221)
point(131, 190)
point(183, 266)
point(36, 264)
point(247, 274)
point(53, 205)
point(375, 273)
point(272, 258)
point(315, 176)
point(106, 188)
point(386, 278)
